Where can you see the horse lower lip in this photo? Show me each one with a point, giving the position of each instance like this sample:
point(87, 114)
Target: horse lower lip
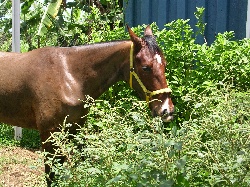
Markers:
point(167, 118)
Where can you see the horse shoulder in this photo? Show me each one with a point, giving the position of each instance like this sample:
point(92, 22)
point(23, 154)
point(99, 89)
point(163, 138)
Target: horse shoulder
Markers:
point(71, 87)
point(54, 78)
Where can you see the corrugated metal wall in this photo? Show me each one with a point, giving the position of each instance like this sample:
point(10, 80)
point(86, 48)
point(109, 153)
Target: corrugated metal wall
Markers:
point(220, 15)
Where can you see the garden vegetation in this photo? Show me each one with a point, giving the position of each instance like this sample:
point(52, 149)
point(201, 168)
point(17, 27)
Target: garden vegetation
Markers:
point(207, 144)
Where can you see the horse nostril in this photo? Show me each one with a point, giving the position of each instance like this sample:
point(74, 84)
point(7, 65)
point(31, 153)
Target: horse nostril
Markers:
point(165, 112)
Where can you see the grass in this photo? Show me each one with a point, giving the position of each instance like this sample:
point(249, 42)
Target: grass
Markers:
point(20, 164)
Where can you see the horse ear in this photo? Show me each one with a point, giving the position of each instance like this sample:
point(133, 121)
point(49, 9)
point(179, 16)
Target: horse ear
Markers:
point(134, 38)
point(148, 31)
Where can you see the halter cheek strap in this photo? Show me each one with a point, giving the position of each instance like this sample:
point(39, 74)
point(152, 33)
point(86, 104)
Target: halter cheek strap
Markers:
point(148, 93)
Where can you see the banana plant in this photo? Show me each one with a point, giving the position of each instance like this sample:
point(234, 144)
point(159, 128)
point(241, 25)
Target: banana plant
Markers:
point(50, 13)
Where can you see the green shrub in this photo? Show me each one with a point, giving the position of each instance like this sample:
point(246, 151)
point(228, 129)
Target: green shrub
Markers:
point(194, 67)
point(217, 139)
point(206, 145)
point(124, 146)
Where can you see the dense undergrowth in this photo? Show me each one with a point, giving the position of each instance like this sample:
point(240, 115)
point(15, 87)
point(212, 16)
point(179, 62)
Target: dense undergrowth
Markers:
point(126, 147)
point(207, 144)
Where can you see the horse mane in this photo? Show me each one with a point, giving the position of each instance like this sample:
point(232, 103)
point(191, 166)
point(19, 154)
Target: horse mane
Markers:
point(152, 44)
point(148, 39)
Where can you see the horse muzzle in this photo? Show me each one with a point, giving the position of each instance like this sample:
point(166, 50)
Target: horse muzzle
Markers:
point(167, 116)
point(165, 111)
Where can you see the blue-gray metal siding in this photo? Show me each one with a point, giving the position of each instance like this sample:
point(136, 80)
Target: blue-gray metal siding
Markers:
point(220, 15)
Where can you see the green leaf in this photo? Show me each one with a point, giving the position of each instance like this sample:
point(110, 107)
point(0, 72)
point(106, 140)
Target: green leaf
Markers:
point(119, 167)
point(181, 162)
point(134, 176)
point(169, 143)
point(115, 179)
point(198, 105)
point(178, 146)
point(26, 6)
point(167, 183)
point(50, 13)
point(93, 170)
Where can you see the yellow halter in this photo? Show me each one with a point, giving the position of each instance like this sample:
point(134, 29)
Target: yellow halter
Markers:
point(148, 93)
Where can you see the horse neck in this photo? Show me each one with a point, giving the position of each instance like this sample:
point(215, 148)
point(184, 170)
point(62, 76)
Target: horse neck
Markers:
point(99, 66)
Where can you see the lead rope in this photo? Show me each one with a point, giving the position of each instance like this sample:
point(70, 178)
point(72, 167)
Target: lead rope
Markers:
point(148, 93)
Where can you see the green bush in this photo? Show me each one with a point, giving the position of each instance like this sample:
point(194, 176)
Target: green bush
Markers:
point(216, 141)
point(124, 146)
point(206, 145)
point(193, 67)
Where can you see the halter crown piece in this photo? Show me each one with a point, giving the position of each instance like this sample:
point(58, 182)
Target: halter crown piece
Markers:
point(148, 93)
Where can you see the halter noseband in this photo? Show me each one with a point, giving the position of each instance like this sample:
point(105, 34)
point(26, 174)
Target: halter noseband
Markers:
point(148, 93)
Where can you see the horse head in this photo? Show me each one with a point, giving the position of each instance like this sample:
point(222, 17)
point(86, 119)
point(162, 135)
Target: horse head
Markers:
point(147, 74)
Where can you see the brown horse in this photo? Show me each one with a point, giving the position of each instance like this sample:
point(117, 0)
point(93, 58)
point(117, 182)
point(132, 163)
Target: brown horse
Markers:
point(39, 88)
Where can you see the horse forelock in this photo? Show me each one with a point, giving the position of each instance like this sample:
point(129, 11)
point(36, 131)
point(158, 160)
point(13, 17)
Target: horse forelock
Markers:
point(152, 44)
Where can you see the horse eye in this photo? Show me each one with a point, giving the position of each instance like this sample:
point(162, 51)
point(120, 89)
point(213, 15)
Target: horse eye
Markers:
point(146, 68)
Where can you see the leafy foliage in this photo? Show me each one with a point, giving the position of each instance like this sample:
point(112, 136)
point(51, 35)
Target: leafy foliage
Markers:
point(60, 23)
point(206, 145)
point(208, 142)
point(124, 146)
point(193, 67)
point(50, 13)
point(217, 139)
point(30, 137)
